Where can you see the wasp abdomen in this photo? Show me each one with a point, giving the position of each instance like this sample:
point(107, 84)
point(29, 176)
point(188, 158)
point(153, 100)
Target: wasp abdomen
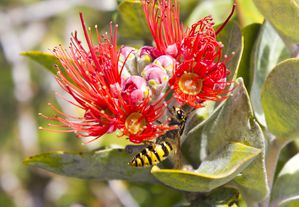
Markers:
point(152, 154)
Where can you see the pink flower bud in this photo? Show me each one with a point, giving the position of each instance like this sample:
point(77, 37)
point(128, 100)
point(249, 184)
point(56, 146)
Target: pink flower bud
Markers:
point(134, 90)
point(144, 57)
point(172, 50)
point(149, 50)
point(156, 78)
point(127, 51)
point(167, 62)
point(127, 57)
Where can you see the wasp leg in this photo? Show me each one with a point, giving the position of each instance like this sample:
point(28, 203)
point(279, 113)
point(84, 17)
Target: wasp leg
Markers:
point(178, 154)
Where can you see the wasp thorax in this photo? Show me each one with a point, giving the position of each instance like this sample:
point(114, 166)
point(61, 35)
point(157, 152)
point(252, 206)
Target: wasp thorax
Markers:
point(135, 123)
point(190, 84)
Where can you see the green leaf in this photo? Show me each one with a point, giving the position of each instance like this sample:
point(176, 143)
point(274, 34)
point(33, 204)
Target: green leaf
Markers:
point(218, 9)
point(231, 37)
point(233, 122)
point(45, 59)
point(283, 15)
point(220, 197)
point(268, 51)
point(101, 165)
point(133, 24)
point(286, 189)
point(248, 13)
point(280, 100)
point(217, 169)
point(250, 34)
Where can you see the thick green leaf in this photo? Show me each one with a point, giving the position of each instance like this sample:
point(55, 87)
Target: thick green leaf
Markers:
point(250, 34)
point(220, 197)
point(233, 122)
point(280, 100)
point(247, 13)
point(231, 37)
point(286, 185)
point(218, 9)
point(45, 59)
point(216, 170)
point(101, 165)
point(283, 15)
point(133, 23)
point(268, 51)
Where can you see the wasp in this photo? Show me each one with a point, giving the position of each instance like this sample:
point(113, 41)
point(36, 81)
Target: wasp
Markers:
point(153, 154)
point(156, 152)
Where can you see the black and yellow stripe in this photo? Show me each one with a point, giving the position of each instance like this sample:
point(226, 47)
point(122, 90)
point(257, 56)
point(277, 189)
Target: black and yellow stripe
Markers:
point(153, 154)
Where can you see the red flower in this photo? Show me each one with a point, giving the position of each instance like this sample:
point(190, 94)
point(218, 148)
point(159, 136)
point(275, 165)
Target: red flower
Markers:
point(165, 26)
point(199, 74)
point(137, 117)
point(93, 78)
point(139, 122)
point(87, 76)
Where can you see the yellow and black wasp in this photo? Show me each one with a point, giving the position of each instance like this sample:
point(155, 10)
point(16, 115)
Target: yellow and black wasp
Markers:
point(154, 153)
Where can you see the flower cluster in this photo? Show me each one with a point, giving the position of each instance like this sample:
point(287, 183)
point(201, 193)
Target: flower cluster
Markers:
point(199, 74)
point(126, 89)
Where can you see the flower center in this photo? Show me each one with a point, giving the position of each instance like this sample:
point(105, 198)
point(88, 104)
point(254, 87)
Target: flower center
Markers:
point(135, 123)
point(190, 84)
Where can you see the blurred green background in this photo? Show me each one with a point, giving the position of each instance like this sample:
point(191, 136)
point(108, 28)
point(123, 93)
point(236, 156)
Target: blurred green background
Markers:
point(26, 88)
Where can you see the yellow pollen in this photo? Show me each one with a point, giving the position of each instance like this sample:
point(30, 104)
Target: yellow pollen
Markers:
point(190, 84)
point(135, 123)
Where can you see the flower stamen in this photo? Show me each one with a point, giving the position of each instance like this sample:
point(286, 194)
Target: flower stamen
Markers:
point(190, 84)
point(135, 123)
